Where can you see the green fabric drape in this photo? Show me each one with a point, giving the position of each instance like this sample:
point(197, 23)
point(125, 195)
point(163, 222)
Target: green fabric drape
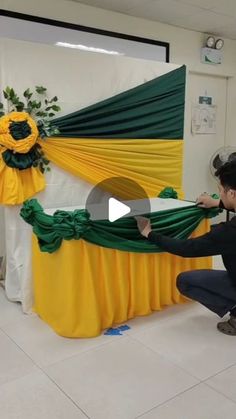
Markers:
point(122, 234)
point(151, 110)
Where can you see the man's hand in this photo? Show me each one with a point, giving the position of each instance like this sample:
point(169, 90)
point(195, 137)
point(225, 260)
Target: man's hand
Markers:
point(144, 225)
point(206, 201)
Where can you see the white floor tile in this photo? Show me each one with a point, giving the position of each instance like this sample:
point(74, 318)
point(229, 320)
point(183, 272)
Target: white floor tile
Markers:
point(36, 397)
point(143, 323)
point(225, 381)
point(44, 346)
point(191, 341)
point(200, 402)
point(119, 381)
point(115, 377)
point(13, 362)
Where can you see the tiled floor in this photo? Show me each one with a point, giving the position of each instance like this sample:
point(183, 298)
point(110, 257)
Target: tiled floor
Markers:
point(171, 365)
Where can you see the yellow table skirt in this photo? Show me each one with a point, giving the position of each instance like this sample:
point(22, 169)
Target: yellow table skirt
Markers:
point(82, 288)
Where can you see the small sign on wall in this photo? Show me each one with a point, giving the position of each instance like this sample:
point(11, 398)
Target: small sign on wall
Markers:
point(211, 56)
point(205, 99)
point(203, 119)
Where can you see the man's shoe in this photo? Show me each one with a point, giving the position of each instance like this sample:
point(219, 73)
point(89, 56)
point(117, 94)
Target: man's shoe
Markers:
point(228, 327)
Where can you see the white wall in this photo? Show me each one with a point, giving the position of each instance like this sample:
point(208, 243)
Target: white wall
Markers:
point(184, 49)
point(2, 233)
point(199, 148)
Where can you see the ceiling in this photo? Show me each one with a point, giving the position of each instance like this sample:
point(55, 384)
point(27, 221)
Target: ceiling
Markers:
point(210, 16)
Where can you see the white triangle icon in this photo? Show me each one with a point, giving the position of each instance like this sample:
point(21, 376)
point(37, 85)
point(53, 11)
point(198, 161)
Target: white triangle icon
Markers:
point(117, 209)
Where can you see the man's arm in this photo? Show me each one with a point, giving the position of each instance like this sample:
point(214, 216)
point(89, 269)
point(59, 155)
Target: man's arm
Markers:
point(218, 241)
point(201, 246)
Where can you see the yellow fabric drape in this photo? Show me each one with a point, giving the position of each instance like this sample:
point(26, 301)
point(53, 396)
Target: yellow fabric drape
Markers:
point(153, 164)
point(18, 185)
point(82, 289)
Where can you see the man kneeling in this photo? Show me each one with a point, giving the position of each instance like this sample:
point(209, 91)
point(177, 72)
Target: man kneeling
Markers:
point(213, 288)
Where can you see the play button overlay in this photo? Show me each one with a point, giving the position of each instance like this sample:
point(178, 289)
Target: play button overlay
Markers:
point(117, 209)
point(105, 200)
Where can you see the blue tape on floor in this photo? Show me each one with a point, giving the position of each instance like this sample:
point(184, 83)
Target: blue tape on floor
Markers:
point(117, 330)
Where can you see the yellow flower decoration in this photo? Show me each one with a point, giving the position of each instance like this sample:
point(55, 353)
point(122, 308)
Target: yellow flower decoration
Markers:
point(7, 140)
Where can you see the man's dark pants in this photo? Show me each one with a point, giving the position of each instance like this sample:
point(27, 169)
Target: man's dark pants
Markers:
point(212, 288)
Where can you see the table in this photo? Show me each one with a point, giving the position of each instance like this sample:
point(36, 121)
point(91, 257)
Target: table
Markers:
point(62, 189)
point(82, 288)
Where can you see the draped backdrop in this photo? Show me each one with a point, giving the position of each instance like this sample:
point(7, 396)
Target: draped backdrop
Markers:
point(136, 134)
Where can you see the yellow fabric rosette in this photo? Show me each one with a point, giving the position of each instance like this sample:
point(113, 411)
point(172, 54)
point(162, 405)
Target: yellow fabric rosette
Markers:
point(18, 185)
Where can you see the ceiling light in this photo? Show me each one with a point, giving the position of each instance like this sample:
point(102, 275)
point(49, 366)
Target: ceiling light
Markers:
point(210, 42)
point(219, 43)
point(86, 48)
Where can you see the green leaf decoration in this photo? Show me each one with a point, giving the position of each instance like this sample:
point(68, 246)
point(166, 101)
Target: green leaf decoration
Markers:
point(41, 113)
point(56, 108)
point(55, 131)
point(40, 90)
point(8, 90)
point(27, 93)
point(12, 94)
point(20, 106)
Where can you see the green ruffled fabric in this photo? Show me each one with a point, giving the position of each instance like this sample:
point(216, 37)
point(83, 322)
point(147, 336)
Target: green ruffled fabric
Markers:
point(168, 192)
point(121, 234)
point(20, 130)
point(19, 160)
